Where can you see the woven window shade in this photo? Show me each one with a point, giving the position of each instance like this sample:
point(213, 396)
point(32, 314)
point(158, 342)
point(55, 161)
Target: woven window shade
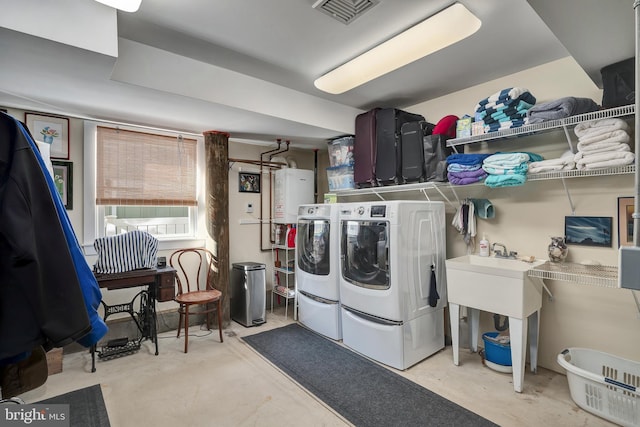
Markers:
point(142, 169)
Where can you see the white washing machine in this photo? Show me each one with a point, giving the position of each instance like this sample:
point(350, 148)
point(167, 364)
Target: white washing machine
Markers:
point(393, 280)
point(317, 269)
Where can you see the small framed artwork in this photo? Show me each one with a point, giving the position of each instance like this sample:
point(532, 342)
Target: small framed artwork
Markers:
point(63, 179)
point(626, 206)
point(50, 130)
point(588, 230)
point(249, 182)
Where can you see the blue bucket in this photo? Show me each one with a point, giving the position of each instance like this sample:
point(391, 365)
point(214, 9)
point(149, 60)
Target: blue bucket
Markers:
point(496, 352)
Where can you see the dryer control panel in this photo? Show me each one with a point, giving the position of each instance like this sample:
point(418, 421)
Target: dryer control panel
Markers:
point(378, 211)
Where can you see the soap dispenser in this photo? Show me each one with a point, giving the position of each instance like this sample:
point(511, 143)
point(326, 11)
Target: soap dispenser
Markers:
point(484, 246)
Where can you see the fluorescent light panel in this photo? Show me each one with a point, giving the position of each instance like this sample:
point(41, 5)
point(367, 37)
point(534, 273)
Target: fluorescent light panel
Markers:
point(125, 5)
point(443, 29)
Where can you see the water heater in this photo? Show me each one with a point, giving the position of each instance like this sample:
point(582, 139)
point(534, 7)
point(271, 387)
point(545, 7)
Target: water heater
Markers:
point(293, 187)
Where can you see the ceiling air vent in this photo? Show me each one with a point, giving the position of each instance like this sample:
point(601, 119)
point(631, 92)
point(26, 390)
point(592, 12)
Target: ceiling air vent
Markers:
point(345, 11)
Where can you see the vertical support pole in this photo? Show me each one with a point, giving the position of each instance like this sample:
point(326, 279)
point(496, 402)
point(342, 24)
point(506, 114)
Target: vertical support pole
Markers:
point(636, 213)
point(216, 147)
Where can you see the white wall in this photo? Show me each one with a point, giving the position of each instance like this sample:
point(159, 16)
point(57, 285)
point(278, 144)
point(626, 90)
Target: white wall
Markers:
point(244, 228)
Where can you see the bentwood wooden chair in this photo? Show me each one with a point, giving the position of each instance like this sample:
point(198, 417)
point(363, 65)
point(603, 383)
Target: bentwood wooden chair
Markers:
point(195, 288)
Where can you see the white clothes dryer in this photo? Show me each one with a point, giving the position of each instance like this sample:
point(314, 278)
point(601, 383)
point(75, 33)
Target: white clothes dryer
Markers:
point(393, 280)
point(317, 269)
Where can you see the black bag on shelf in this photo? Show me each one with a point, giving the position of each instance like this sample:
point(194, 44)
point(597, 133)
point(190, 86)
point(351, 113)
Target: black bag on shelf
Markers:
point(435, 157)
point(618, 83)
point(411, 146)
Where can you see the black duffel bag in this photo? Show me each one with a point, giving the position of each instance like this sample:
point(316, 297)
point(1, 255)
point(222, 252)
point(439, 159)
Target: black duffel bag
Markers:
point(618, 83)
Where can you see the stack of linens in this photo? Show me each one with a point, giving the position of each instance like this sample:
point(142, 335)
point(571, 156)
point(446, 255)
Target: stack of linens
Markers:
point(465, 169)
point(505, 109)
point(508, 169)
point(603, 143)
point(564, 162)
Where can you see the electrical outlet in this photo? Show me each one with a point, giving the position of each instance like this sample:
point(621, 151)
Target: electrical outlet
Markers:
point(249, 208)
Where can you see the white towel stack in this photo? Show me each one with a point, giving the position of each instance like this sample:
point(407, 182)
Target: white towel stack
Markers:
point(603, 143)
point(564, 162)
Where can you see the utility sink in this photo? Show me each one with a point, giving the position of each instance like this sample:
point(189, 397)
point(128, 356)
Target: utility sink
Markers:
point(498, 285)
point(491, 265)
point(501, 286)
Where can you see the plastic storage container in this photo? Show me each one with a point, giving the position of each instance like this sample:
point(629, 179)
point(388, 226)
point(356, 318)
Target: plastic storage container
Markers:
point(496, 352)
point(340, 177)
point(603, 384)
point(341, 151)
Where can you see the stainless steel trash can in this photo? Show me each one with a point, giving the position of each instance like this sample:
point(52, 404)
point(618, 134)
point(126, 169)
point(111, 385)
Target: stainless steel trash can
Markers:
point(248, 293)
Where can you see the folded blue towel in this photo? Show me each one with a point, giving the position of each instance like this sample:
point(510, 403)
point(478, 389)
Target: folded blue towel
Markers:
point(495, 181)
point(467, 159)
point(496, 126)
point(505, 159)
point(511, 107)
point(520, 169)
point(457, 167)
point(504, 96)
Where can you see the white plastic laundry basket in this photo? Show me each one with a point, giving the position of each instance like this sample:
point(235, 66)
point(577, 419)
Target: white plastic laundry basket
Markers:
point(603, 384)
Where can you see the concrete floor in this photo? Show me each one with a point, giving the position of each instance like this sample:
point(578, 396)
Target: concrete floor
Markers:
point(229, 384)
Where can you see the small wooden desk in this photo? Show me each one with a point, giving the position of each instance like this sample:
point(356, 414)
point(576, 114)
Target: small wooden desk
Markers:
point(160, 287)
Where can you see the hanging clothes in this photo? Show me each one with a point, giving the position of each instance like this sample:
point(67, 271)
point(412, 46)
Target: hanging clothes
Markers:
point(464, 221)
point(46, 295)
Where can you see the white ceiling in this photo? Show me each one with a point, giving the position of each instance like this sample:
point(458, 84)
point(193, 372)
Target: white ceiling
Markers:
point(247, 66)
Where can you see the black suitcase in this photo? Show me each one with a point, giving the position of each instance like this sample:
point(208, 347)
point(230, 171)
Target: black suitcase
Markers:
point(364, 150)
point(435, 158)
point(389, 123)
point(412, 147)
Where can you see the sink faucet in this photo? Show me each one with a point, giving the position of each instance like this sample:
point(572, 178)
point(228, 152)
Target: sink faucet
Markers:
point(499, 254)
point(504, 253)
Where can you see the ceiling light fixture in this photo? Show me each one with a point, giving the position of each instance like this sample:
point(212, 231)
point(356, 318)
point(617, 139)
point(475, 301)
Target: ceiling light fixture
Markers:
point(443, 29)
point(125, 5)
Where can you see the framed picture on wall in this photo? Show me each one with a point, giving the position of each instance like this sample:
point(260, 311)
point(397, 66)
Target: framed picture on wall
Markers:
point(626, 206)
point(588, 230)
point(249, 182)
point(63, 179)
point(50, 130)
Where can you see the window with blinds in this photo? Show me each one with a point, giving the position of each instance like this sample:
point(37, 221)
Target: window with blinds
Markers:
point(146, 182)
point(142, 169)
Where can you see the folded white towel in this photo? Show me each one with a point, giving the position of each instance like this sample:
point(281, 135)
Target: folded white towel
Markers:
point(550, 165)
point(609, 149)
point(614, 136)
point(597, 127)
point(605, 160)
point(602, 147)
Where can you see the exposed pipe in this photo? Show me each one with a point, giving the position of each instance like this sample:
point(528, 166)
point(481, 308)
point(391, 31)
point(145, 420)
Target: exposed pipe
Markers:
point(271, 156)
point(271, 237)
point(636, 213)
point(315, 175)
point(260, 228)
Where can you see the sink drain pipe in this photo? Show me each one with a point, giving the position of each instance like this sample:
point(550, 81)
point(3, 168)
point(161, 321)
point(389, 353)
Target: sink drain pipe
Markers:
point(496, 323)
